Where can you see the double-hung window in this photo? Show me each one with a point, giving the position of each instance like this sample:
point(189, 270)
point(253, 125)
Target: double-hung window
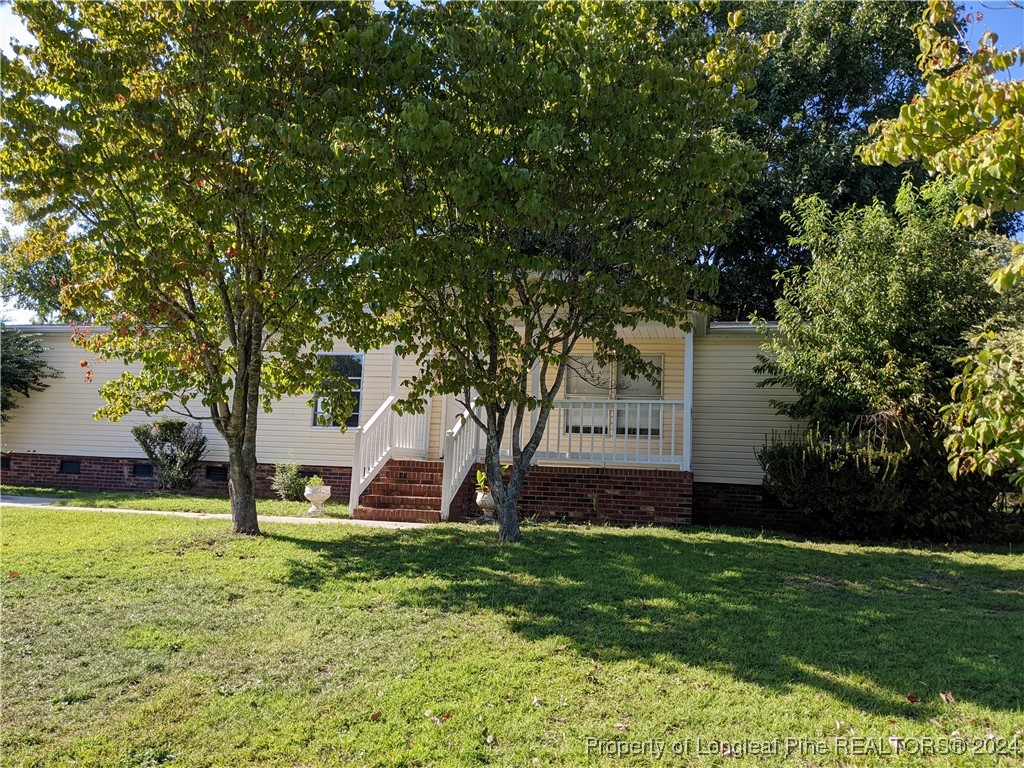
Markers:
point(351, 368)
point(588, 381)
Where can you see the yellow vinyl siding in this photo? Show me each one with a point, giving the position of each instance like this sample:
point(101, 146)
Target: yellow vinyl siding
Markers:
point(731, 416)
point(59, 420)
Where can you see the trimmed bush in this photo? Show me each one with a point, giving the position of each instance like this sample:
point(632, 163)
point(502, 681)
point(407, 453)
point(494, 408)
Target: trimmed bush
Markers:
point(288, 482)
point(175, 449)
point(861, 488)
point(845, 489)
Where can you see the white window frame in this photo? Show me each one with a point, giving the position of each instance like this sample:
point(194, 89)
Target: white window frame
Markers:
point(314, 410)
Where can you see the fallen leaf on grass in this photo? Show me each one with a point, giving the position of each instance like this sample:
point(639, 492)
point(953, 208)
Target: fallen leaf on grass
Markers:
point(376, 716)
point(622, 726)
point(13, 575)
point(947, 697)
point(537, 702)
point(935, 721)
point(913, 699)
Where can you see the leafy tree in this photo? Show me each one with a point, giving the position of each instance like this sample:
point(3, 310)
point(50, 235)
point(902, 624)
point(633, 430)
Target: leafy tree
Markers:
point(967, 127)
point(557, 168)
point(966, 124)
point(986, 418)
point(22, 369)
point(837, 68)
point(874, 324)
point(35, 267)
point(187, 151)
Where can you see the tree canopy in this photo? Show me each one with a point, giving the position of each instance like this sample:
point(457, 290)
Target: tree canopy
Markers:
point(557, 168)
point(837, 68)
point(874, 324)
point(187, 154)
point(966, 127)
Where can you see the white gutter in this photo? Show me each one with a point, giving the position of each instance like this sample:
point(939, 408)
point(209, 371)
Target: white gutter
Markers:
point(738, 328)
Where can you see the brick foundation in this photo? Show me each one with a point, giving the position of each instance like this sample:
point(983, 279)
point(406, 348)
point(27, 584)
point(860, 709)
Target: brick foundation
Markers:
point(103, 473)
point(623, 496)
point(743, 506)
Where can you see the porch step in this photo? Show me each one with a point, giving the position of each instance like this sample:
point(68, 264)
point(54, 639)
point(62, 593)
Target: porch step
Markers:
point(377, 500)
point(397, 515)
point(406, 489)
point(412, 475)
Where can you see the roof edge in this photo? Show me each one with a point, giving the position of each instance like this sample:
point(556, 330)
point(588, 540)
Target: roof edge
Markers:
point(739, 327)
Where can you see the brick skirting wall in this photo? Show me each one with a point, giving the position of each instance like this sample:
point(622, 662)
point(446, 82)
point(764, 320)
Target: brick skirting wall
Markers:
point(623, 496)
point(103, 473)
point(743, 506)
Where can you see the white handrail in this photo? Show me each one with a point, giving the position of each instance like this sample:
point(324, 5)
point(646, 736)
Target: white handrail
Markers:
point(461, 450)
point(385, 433)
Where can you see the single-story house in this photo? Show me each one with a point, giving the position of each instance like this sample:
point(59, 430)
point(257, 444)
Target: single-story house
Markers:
point(675, 451)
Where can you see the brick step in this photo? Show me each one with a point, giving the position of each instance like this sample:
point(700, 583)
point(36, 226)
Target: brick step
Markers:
point(397, 515)
point(397, 489)
point(426, 476)
point(377, 501)
point(382, 479)
point(417, 465)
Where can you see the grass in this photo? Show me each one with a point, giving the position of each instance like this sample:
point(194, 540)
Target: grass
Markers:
point(169, 502)
point(131, 641)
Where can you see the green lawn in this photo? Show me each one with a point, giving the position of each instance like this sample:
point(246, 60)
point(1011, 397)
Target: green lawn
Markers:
point(141, 641)
point(169, 502)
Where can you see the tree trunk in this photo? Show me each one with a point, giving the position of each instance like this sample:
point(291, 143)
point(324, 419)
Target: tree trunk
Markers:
point(242, 485)
point(240, 431)
point(507, 515)
point(506, 497)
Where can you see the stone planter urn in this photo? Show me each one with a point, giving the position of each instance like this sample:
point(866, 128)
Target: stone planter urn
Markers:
point(317, 495)
point(485, 501)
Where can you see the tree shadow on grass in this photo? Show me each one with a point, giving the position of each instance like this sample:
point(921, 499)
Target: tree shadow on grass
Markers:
point(868, 626)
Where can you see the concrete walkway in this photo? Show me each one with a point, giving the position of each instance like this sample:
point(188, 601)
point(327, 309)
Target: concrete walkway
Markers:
point(45, 502)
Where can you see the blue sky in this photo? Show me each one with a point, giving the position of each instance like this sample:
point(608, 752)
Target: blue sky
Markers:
point(999, 16)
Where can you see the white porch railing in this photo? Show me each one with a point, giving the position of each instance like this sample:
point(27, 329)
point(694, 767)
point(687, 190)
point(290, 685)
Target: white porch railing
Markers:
point(462, 447)
point(578, 431)
point(386, 434)
point(610, 431)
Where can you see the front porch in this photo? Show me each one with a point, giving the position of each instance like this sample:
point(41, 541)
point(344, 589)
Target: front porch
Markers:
point(587, 444)
point(604, 425)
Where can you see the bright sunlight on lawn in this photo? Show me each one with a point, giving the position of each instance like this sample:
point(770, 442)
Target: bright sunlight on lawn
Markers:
point(149, 641)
